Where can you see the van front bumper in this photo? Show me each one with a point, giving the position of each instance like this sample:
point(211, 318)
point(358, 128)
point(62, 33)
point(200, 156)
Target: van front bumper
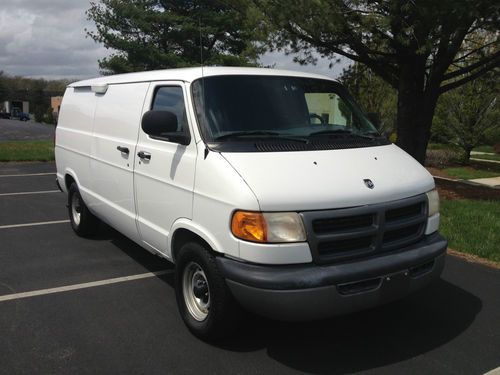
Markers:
point(309, 291)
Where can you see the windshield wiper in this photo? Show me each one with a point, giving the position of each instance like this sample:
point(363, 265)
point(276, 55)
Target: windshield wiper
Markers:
point(266, 134)
point(331, 131)
point(368, 135)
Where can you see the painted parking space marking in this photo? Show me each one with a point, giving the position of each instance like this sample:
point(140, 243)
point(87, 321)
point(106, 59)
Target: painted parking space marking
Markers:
point(27, 174)
point(42, 292)
point(30, 192)
point(33, 224)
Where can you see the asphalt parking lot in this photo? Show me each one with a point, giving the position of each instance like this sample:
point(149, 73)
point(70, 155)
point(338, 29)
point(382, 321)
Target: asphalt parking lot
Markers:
point(103, 305)
point(15, 130)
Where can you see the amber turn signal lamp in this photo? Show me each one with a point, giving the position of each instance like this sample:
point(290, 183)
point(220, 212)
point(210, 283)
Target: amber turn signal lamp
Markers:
point(249, 226)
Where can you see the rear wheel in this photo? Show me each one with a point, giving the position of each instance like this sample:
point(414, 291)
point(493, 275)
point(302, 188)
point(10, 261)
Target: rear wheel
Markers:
point(204, 301)
point(82, 221)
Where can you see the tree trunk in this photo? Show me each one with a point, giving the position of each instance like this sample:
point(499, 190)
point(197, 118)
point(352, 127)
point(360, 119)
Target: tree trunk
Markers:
point(467, 152)
point(415, 111)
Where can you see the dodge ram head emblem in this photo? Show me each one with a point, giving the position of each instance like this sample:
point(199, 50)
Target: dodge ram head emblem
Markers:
point(369, 184)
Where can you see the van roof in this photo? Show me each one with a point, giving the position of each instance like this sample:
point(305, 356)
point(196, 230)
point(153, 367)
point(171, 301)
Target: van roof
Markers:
point(189, 75)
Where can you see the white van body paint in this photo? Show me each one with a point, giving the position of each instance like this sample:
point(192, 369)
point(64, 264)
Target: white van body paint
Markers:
point(188, 187)
point(341, 173)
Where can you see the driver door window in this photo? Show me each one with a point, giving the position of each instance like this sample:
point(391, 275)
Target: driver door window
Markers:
point(171, 98)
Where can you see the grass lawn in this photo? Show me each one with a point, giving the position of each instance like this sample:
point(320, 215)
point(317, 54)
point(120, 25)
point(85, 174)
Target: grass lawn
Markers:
point(484, 149)
point(442, 146)
point(488, 157)
point(472, 227)
point(468, 173)
point(27, 151)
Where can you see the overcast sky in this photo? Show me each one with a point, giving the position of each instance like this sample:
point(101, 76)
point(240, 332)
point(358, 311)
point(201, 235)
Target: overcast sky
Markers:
point(46, 38)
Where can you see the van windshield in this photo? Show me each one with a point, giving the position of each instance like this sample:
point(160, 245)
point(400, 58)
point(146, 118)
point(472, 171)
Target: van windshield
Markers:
point(239, 108)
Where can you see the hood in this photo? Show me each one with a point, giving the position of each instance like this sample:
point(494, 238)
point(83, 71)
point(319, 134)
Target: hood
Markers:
point(316, 180)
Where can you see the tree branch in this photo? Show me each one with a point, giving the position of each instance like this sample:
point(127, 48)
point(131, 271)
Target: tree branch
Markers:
point(448, 48)
point(470, 68)
point(469, 78)
point(473, 51)
point(389, 77)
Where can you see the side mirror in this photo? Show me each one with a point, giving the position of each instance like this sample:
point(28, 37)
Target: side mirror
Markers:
point(162, 125)
point(156, 123)
point(374, 119)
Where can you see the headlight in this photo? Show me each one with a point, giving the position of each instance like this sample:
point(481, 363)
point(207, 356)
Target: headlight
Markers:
point(270, 227)
point(433, 199)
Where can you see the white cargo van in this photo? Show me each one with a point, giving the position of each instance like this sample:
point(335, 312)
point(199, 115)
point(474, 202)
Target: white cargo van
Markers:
point(268, 189)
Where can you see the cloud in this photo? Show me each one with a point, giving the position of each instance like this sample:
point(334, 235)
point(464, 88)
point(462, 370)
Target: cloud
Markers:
point(46, 38)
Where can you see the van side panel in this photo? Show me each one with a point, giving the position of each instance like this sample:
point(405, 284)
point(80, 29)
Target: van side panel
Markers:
point(74, 136)
point(116, 127)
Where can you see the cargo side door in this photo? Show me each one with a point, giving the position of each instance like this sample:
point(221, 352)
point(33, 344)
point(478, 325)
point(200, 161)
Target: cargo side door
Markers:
point(116, 127)
point(164, 169)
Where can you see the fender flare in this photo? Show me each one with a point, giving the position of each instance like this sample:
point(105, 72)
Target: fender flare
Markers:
point(185, 223)
point(70, 172)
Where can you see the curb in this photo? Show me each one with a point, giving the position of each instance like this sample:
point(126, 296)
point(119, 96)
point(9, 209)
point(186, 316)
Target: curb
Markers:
point(486, 160)
point(466, 182)
point(474, 259)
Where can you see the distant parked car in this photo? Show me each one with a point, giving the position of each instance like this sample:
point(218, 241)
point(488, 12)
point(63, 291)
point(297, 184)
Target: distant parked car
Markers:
point(23, 116)
point(5, 115)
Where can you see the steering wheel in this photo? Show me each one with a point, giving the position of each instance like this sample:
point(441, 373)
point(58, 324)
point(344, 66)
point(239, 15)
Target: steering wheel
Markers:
point(315, 115)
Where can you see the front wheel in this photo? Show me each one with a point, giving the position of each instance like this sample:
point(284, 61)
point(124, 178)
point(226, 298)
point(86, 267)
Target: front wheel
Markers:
point(205, 303)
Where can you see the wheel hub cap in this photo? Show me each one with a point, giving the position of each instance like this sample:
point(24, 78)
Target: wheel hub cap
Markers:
point(196, 291)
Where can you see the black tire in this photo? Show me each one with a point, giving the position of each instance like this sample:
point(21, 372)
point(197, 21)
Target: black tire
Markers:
point(83, 222)
point(223, 314)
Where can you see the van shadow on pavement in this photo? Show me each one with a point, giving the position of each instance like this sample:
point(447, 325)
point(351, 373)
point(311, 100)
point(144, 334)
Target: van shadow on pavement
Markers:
point(366, 340)
point(148, 260)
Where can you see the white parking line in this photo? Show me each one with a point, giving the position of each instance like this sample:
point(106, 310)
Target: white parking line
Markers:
point(41, 292)
point(30, 192)
point(27, 174)
point(33, 224)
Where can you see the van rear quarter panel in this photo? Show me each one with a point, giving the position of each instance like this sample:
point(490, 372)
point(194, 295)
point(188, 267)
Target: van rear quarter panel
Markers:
point(74, 135)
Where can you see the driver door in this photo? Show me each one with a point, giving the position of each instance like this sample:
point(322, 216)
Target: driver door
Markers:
point(164, 170)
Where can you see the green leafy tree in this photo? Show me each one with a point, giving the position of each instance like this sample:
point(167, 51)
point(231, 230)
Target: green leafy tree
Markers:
point(469, 112)
point(3, 89)
point(422, 48)
point(155, 34)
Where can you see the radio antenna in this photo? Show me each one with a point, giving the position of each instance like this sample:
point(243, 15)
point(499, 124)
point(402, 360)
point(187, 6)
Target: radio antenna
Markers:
point(202, 79)
point(201, 46)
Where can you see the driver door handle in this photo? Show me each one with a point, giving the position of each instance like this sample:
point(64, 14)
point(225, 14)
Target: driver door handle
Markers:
point(144, 155)
point(123, 149)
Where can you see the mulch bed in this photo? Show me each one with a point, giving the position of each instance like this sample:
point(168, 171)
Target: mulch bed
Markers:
point(455, 189)
point(450, 188)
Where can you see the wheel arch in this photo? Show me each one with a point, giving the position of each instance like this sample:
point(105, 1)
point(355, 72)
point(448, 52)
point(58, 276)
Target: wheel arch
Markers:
point(69, 178)
point(184, 231)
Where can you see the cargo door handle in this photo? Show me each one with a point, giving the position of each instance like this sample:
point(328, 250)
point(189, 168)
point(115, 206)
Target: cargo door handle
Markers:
point(123, 149)
point(144, 155)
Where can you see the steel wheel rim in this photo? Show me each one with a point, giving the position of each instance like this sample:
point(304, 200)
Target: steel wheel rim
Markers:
point(194, 282)
point(76, 209)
